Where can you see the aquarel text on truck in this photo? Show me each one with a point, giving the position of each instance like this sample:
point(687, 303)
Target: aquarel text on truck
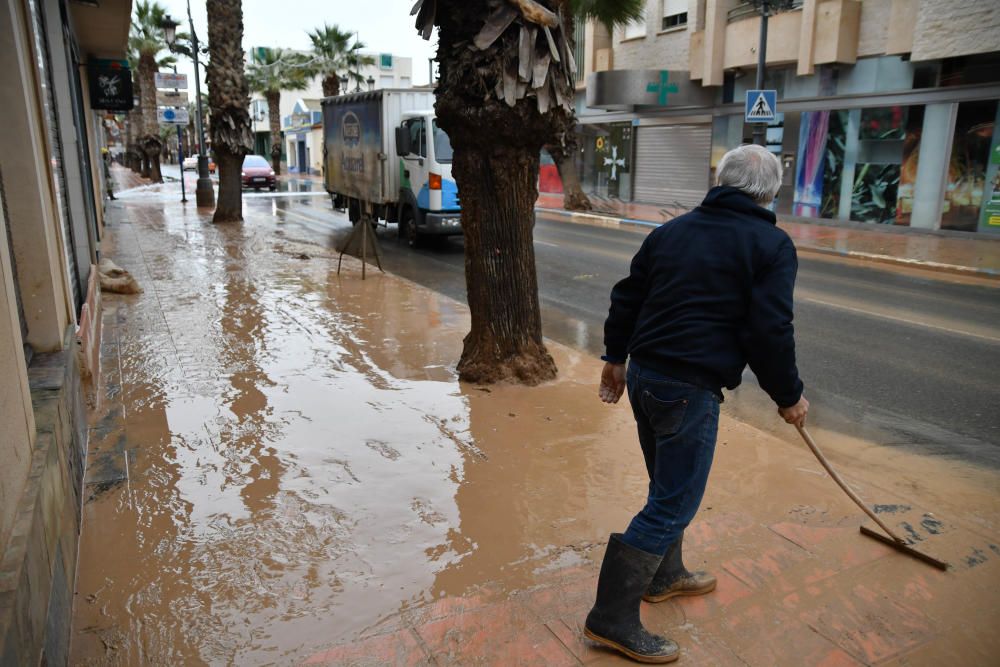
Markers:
point(384, 153)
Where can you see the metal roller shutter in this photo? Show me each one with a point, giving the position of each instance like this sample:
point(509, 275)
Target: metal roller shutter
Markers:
point(672, 164)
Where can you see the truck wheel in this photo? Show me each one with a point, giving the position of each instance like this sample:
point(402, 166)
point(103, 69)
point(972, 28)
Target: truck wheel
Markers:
point(353, 211)
point(408, 229)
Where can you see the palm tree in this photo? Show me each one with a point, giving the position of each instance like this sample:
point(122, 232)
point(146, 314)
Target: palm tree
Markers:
point(505, 90)
point(146, 40)
point(334, 55)
point(273, 71)
point(229, 103)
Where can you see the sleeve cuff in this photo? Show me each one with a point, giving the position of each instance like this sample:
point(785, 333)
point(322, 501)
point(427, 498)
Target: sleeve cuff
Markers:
point(613, 358)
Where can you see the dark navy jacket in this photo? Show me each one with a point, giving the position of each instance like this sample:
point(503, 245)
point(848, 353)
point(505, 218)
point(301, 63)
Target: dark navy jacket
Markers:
point(708, 293)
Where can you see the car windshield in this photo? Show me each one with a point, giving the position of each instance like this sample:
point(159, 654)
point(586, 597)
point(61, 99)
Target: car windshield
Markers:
point(255, 162)
point(442, 145)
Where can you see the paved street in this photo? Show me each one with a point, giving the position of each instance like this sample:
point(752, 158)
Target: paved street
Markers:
point(283, 468)
point(888, 355)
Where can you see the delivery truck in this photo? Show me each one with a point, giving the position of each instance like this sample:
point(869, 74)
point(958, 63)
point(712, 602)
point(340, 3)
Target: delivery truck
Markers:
point(385, 156)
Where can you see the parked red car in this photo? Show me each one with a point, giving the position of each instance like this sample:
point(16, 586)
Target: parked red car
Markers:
point(257, 173)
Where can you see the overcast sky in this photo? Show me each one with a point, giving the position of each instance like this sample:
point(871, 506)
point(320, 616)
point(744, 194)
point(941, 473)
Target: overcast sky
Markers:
point(384, 26)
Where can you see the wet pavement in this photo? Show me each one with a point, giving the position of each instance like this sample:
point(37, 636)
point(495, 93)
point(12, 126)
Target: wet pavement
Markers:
point(284, 469)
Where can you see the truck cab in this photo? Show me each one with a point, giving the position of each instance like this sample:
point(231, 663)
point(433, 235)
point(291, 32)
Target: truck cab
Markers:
point(428, 195)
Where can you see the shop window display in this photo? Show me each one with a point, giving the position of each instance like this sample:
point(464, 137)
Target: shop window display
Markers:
point(866, 148)
point(968, 166)
point(607, 160)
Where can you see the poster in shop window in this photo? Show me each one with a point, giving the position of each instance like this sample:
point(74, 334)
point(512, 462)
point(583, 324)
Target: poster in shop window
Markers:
point(613, 156)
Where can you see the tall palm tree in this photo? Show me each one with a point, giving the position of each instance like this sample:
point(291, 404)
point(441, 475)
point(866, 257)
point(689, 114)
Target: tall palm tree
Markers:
point(505, 90)
point(273, 71)
point(229, 103)
point(146, 40)
point(334, 55)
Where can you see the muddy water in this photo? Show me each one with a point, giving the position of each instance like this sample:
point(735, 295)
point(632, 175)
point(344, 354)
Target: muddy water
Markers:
point(282, 458)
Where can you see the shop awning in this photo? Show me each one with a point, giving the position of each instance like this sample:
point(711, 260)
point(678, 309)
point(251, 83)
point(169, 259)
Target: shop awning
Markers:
point(101, 27)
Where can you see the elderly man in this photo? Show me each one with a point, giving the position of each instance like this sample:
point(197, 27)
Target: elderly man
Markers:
point(707, 293)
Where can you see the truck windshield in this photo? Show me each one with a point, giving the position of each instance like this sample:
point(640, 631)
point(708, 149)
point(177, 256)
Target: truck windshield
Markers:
point(442, 145)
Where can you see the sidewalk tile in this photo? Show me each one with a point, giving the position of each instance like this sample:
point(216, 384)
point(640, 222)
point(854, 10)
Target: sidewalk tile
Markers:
point(861, 620)
point(702, 607)
point(501, 634)
point(399, 649)
point(762, 635)
point(767, 564)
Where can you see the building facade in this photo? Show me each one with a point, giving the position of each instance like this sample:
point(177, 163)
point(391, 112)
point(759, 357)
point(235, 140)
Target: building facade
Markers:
point(887, 109)
point(52, 191)
point(389, 71)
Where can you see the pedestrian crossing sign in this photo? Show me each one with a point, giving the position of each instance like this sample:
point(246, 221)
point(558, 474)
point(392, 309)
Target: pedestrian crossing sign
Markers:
point(761, 106)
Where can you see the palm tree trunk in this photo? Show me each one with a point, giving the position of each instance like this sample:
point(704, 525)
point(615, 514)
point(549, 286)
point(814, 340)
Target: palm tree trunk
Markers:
point(331, 85)
point(229, 101)
point(499, 190)
point(274, 120)
point(149, 138)
point(574, 198)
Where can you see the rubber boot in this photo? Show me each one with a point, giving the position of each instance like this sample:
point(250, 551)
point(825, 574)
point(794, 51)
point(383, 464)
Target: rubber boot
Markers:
point(614, 620)
point(672, 579)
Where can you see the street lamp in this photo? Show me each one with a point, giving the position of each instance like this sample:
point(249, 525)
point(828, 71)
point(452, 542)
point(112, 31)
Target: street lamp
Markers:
point(371, 83)
point(343, 85)
point(204, 194)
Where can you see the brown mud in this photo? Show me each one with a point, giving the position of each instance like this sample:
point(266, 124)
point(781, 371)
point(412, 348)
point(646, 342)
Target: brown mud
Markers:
point(283, 460)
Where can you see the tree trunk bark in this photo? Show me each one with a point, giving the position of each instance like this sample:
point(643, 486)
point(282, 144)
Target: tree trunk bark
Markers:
point(229, 101)
point(229, 204)
point(274, 120)
point(498, 199)
point(574, 198)
point(153, 150)
point(331, 85)
point(149, 137)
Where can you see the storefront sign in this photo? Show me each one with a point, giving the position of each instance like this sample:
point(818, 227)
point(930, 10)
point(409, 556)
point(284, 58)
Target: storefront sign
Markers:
point(110, 84)
point(171, 80)
point(629, 88)
point(171, 116)
point(171, 98)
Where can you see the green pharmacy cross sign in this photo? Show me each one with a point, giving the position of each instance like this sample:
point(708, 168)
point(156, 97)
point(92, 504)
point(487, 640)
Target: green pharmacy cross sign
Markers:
point(663, 88)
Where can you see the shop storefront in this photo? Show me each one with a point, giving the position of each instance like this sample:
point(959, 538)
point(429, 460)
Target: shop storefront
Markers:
point(854, 146)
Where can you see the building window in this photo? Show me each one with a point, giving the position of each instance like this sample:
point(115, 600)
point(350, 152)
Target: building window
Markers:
point(674, 14)
point(385, 60)
point(635, 29)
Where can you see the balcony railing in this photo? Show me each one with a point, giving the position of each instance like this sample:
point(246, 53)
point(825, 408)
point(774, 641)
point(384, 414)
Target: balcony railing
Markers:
point(746, 10)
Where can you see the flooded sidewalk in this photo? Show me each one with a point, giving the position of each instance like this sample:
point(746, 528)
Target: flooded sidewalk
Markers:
point(284, 469)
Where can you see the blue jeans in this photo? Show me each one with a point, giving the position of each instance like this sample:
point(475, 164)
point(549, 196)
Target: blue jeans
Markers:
point(678, 424)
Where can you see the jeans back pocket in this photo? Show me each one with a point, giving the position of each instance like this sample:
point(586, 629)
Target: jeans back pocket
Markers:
point(665, 417)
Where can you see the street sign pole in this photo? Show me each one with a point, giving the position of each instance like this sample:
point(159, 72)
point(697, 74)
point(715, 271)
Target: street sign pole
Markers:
point(180, 155)
point(180, 162)
point(760, 129)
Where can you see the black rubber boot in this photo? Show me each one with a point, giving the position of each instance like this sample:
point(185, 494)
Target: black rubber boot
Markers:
point(614, 620)
point(672, 579)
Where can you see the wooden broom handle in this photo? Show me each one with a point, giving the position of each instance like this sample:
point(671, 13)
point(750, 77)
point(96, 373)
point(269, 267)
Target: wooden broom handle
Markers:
point(842, 484)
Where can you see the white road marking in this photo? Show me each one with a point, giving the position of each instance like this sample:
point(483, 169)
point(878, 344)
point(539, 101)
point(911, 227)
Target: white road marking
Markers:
point(903, 320)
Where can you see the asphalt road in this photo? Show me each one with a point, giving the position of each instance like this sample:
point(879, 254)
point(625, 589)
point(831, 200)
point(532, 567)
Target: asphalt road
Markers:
point(893, 357)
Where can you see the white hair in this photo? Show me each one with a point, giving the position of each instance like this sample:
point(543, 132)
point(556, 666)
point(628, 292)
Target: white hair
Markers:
point(753, 169)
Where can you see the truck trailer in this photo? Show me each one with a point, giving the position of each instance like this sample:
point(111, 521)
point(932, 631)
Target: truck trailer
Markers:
point(384, 154)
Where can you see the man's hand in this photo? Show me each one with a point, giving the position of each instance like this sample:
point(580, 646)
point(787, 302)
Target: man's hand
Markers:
point(612, 382)
point(796, 414)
